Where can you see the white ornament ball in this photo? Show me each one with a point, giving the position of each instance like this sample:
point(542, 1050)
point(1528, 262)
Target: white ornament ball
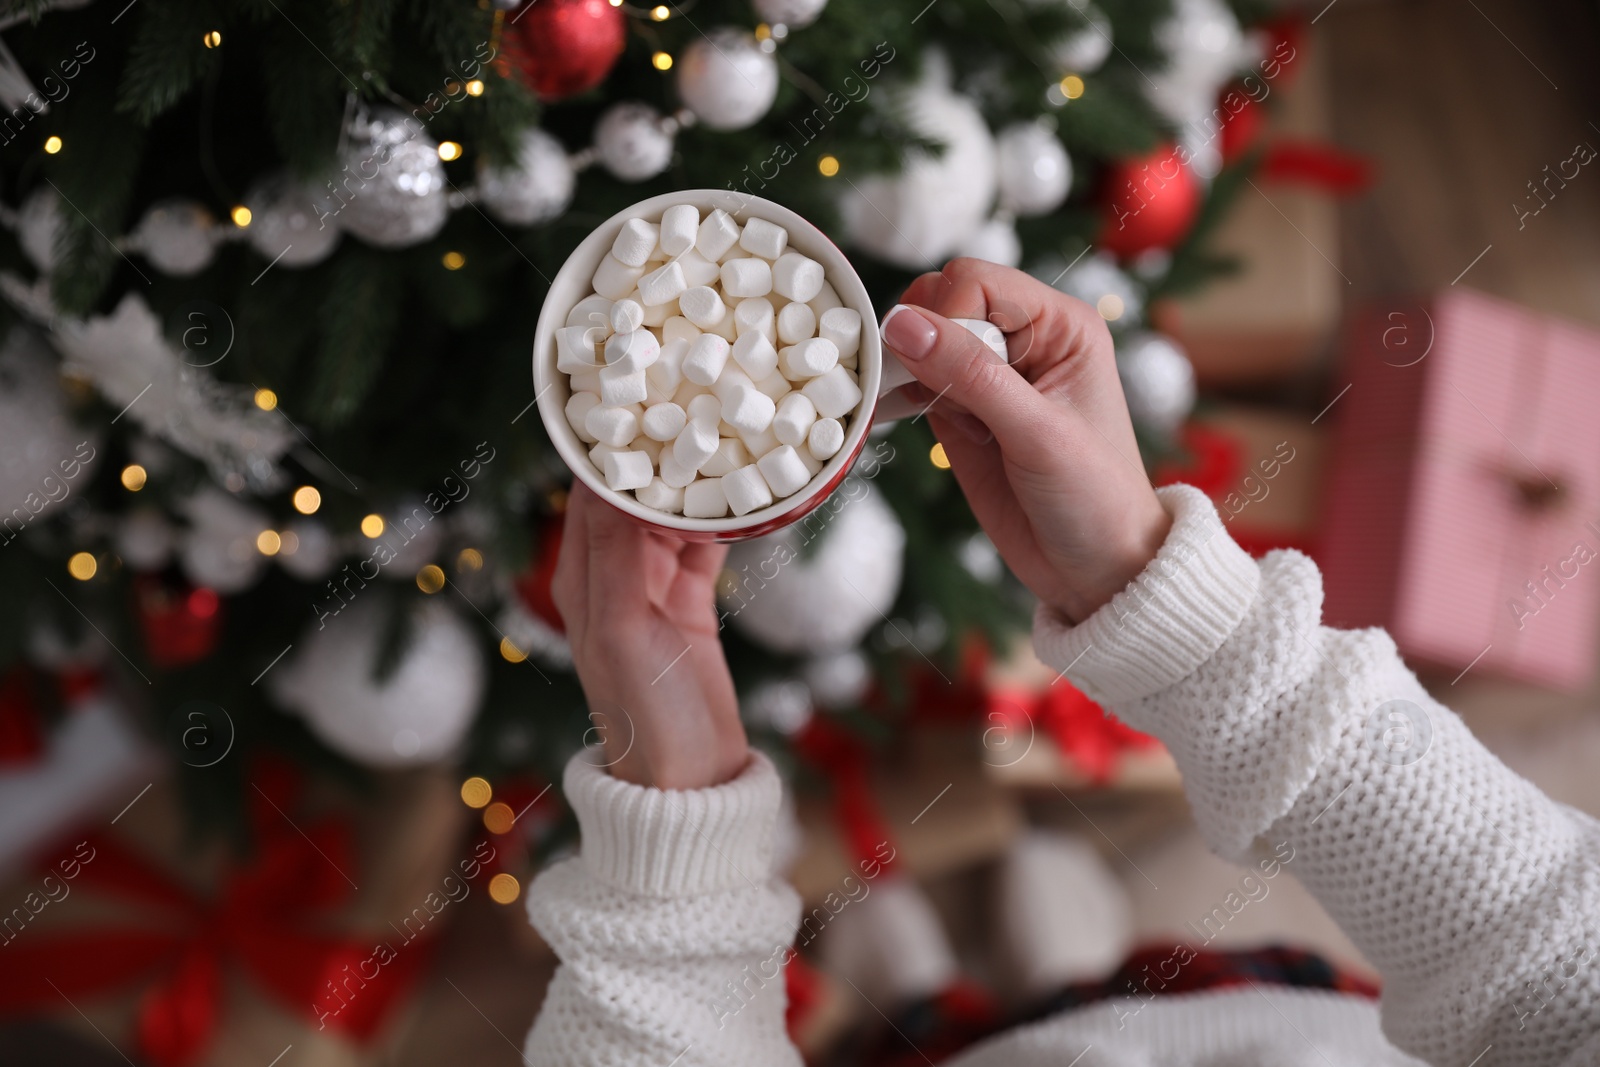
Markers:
point(179, 237)
point(38, 226)
point(633, 141)
point(981, 559)
point(782, 706)
point(1034, 171)
point(533, 636)
point(791, 13)
point(837, 679)
point(416, 714)
point(1205, 48)
point(535, 188)
point(995, 241)
point(309, 551)
point(292, 223)
point(392, 182)
point(218, 549)
point(727, 80)
point(826, 600)
point(39, 443)
point(919, 217)
point(1093, 277)
point(145, 539)
point(1084, 50)
point(1157, 379)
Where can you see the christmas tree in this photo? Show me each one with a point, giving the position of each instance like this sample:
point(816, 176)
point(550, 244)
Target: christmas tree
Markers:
point(271, 271)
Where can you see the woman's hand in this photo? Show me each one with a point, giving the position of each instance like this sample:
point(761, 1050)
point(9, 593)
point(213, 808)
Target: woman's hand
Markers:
point(640, 612)
point(1044, 448)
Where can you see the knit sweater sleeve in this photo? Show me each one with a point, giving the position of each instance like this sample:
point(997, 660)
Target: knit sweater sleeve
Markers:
point(671, 927)
point(1476, 896)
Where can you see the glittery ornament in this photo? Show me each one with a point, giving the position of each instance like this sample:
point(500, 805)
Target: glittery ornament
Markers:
point(391, 191)
point(727, 80)
point(178, 237)
point(535, 188)
point(292, 223)
point(1157, 379)
point(633, 142)
point(564, 47)
point(417, 713)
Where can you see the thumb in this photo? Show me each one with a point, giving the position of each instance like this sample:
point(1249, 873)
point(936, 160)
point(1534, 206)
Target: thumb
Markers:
point(957, 366)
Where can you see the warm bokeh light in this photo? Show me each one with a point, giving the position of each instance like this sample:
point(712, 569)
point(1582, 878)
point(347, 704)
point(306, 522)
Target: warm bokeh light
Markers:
point(133, 477)
point(449, 150)
point(372, 525)
point(476, 792)
point(510, 652)
point(1110, 307)
point(307, 500)
point(52, 145)
point(504, 888)
point(475, 87)
point(266, 399)
point(268, 542)
point(241, 216)
point(430, 579)
point(470, 559)
point(828, 166)
point(82, 566)
point(453, 260)
point(937, 457)
point(498, 817)
point(661, 12)
point(661, 61)
point(213, 39)
point(1072, 87)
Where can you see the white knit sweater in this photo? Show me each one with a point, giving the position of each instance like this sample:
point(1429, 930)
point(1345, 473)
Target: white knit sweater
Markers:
point(1476, 896)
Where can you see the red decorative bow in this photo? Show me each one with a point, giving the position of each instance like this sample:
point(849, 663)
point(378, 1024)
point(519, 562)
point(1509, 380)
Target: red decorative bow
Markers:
point(1081, 729)
point(261, 921)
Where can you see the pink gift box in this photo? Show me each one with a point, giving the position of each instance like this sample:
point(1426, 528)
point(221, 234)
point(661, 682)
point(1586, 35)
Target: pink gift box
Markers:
point(1463, 495)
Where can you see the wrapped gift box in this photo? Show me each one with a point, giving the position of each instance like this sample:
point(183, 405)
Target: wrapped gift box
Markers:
point(1464, 487)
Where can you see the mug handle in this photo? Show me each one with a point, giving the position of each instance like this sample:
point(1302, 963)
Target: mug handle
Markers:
point(895, 374)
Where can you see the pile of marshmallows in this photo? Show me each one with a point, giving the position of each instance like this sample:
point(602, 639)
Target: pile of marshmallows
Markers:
point(713, 370)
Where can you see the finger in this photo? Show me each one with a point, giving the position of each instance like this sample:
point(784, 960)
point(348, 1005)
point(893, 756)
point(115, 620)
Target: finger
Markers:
point(703, 558)
point(569, 581)
point(617, 552)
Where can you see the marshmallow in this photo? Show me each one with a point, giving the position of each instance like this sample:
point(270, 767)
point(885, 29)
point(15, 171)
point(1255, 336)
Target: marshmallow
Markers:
point(707, 356)
point(664, 283)
point(760, 443)
point(808, 359)
point(705, 408)
point(813, 464)
point(764, 239)
point(784, 471)
point(657, 314)
point(651, 449)
point(627, 315)
point(614, 279)
point(663, 422)
point(679, 328)
point(796, 322)
point(629, 470)
point(592, 311)
point(825, 439)
point(586, 380)
point(636, 242)
point(748, 409)
point(697, 269)
point(666, 373)
point(724, 329)
point(616, 427)
point(835, 393)
point(775, 385)
point(826, 300)
point(686, 393)
point(754, 315)
point(673, 473)
point(746, 490)
point(755, 354)
point(718, 233)
point(575, 348)
point(661, 496)
point(620, 386)
point(794, 419)
point(680, 225)
point(842, 326)
point(704, 499)
point(695, 444)
point(743, 277)
point(598, 454)
point(729, 456)
point(797, 277)
point(578, 407)
point(632, 351)
point(702, 306)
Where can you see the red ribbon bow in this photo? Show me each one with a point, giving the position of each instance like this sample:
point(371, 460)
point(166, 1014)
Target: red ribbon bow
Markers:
point(261, 921)
point(1086, 735)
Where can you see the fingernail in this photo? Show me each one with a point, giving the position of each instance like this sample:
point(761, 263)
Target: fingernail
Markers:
point(909, 333)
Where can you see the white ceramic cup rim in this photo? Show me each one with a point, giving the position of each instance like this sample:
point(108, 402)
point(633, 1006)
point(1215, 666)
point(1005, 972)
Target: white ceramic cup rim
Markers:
point(573, 282)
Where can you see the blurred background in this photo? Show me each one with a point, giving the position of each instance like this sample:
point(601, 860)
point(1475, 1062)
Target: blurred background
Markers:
point(283, 695)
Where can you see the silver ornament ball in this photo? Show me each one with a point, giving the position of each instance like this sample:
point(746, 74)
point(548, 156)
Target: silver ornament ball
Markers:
point(794, 14)
point(837, 679)
point(179, 237)
point(535, 188)
point(633, 142)
point(1157, 379)
point(782, 706)
point(145, 539)
point(38, 226)
point(292, 223)
point(727, 80)
point(309, 551)
point(995, 241)
point(1092, 278)
point(1034, 170)
point(392, 186)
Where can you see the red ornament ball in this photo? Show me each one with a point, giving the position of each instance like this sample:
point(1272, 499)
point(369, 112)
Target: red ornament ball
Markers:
point(565, 47)
point(1150, 202)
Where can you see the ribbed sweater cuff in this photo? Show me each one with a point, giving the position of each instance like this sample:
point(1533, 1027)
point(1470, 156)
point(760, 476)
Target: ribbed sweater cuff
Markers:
point(675, 843)
point(1168, 621)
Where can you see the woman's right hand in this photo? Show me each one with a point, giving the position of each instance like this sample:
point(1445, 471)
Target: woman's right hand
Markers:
point(1043, 448)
